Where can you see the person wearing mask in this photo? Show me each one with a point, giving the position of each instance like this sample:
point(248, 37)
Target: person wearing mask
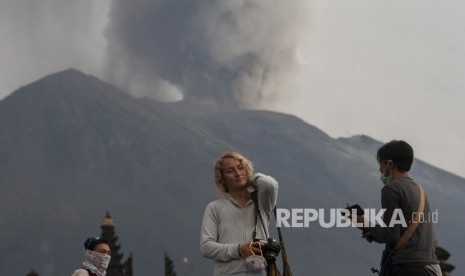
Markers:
point(401, 195)
point(97, 256)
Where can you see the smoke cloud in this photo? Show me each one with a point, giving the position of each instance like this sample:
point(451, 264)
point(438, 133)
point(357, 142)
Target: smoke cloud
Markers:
point(42, 37)
point(235, 52)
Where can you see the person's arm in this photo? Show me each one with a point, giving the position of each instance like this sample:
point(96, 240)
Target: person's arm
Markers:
point(390, 200)
point(209, 245)
point(267, 188)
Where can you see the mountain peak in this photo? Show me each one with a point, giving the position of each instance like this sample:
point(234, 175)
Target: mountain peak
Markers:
point(67, 79)
point(69, 73)
point(62, 85)
point(64, 76)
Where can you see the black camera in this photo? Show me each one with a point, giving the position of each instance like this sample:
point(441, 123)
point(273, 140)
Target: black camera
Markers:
point(357, 207)
point(271, 250)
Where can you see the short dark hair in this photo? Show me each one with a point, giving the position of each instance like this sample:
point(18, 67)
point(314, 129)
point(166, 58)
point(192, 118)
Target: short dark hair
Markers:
point(400, 152)
point(91, 242)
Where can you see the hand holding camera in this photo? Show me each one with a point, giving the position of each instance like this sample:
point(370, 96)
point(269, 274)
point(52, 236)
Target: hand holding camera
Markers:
point(269, 249)
point(249, 248)
point(356, 209)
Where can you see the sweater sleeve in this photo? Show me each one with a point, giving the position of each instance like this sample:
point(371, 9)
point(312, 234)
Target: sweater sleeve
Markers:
point(267, 188)
point(209, 246)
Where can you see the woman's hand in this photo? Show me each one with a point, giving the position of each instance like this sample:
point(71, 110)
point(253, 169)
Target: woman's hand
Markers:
point(245, 248)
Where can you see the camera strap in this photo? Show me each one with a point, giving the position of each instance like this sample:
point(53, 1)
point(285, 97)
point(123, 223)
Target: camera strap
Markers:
point(254, 196)
point(274, 269)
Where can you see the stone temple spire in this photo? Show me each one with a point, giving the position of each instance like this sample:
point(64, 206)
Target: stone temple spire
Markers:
point(116, 266)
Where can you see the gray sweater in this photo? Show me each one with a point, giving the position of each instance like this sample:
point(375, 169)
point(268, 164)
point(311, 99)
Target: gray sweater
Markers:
point(226, 225)
point(403, 193)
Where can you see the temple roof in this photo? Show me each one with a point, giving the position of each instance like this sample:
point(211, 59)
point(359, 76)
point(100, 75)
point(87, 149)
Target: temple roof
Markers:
point(108, 220)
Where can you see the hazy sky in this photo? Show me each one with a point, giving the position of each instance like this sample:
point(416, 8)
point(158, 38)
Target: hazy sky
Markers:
point(388, 69)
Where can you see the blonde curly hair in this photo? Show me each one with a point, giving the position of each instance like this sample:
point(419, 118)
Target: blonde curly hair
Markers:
point(219, 169)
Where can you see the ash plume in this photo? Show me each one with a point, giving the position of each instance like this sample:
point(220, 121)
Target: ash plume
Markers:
point(235, 52)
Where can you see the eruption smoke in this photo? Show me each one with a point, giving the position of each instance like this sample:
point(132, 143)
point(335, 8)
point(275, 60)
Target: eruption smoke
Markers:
point(239, 52)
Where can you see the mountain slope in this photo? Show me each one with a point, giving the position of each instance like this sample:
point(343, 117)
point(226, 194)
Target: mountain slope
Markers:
point(72, 147)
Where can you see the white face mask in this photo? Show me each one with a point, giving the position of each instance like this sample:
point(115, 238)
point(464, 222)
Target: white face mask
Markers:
point(255, 262)
point(96, 262)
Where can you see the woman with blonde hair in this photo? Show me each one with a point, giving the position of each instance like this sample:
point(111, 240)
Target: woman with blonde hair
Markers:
point(231, 234)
